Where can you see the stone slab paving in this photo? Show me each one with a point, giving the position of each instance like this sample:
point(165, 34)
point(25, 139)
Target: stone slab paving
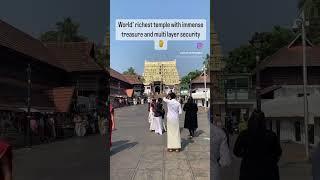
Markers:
point(75, 158)
point(292, 165)
point(138, 154)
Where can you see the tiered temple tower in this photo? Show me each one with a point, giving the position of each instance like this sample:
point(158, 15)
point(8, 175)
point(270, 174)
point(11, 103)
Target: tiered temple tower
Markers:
point(160, 76)
point(216, 71)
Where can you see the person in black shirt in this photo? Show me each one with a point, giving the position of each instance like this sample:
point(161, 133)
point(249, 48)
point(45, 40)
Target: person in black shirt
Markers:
point(259, 149)
point(191, 117)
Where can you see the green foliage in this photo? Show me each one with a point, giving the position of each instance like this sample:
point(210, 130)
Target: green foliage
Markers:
point(312, 10)
point(101, 55)
point(66, 31)
point(206, 60)
point(130, 71)
point(185, 80)
point(242, 59)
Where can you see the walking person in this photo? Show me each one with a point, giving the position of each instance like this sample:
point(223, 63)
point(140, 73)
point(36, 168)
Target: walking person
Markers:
point(5, 160)
point(158, 112)
point(259, 149)
point(111, 121)
point(151, 115)
point(191, 117)
point(173, 128)
point(52, 125)
point(316, 163)
point(220, 153)
point(79, 128)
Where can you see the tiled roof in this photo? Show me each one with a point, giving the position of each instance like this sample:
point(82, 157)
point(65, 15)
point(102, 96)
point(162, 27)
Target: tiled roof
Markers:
point(288, 57)
point(12, 38)
point(74, 56)
point(39, 101)
point(115, 74)
point(61, 98)
point(200, 79)
point(133, 79)
point(291, 55)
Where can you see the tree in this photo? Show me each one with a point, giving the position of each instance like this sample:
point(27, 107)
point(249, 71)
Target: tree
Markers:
point(66, 31)
point(206, 60)
point(242, 59)
point(101, 55)
point(185, 80)
point(311, 9)
point(130, 71)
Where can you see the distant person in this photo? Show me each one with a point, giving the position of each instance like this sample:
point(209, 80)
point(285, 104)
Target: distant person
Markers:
point(52, 126)
point(220, 153)
point(5, 160)
point(158, 112)
point(259, 149)
point(173, 128)
point(151, 115)
point(111, 121)
point(191, 117)
point(316, 163)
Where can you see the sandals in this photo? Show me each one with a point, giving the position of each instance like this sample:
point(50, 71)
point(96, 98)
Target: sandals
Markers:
point(176, 150)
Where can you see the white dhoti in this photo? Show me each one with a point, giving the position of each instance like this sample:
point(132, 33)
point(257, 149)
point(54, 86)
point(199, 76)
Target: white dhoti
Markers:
point(173, 137)
point(150, 117)
point(152, 122)
point(158, 125)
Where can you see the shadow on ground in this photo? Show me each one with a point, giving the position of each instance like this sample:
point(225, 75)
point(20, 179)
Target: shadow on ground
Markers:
point(185, 143)
point(119, 146)
point(198, 133)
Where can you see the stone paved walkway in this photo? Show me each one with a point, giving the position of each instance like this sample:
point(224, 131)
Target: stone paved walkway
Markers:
point(78, 158)
point(140, 154)
point(292, 165)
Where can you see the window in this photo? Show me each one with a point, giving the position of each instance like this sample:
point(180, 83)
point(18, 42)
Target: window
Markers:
point(242, 83)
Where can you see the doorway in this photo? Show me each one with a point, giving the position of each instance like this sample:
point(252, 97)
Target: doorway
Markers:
point(297, 129)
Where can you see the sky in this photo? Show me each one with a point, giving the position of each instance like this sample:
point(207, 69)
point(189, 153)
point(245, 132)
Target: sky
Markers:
point(237, 20)
point(125, 54)
point(37, 16)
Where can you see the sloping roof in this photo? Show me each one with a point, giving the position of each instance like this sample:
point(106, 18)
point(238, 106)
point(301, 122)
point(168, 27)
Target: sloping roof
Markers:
point(129, 92)
point(12, 38)
point(200, 79)
point(133, 79)
point(291, 106)
point(74, 56)
point(12, 96)
point(291, 55)
point(115, 74)
point(61, 98)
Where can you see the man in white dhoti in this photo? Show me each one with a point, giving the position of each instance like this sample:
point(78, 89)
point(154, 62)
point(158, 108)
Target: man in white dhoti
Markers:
point(173, 128)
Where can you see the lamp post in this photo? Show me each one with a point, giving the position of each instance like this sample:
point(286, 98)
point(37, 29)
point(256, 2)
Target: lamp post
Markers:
point(301, 23)
point(257, 43)
point(28, 130)
point(205, 85)
point(190, 87)
point(225, 84)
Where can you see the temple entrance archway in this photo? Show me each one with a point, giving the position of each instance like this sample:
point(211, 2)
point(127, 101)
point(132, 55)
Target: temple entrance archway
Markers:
point(157, 89)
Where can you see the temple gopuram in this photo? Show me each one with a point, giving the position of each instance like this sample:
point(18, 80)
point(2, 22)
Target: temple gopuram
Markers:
point(160, 77)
